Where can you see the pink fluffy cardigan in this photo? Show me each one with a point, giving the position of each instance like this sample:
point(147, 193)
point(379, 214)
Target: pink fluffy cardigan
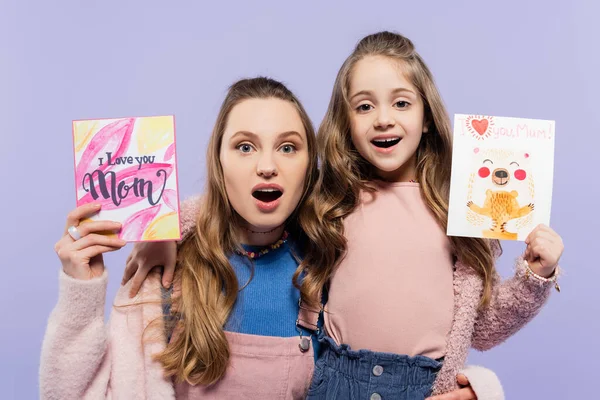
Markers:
point(82, 358)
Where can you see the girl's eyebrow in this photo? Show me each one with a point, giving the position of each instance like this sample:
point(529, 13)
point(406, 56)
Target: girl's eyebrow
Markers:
point(362, 92)
point(394, 91)
point(402, 90)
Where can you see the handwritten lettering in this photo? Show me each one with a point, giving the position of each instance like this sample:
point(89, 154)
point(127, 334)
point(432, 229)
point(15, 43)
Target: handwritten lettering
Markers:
point(107, 185)
point(505, 132)
point(529, 132)
point(127, 160)
point(522, 131)
point(144, 160)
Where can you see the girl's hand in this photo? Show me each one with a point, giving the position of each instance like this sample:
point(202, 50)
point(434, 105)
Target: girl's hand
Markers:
point(144, 257)
point(543, 251)
point(82, 258)
point(464, 393)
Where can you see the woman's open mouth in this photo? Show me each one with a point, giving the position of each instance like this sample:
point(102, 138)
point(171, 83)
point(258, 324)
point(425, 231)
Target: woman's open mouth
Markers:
point(267, 196)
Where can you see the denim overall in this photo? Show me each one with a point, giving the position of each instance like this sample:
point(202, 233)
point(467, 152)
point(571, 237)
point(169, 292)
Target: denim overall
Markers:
point(343, 373)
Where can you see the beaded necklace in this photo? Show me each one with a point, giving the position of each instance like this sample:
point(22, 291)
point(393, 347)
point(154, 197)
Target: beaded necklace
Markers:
point(257, 254)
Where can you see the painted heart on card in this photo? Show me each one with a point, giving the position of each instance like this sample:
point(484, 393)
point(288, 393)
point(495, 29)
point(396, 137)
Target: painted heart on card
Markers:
point(480, 125)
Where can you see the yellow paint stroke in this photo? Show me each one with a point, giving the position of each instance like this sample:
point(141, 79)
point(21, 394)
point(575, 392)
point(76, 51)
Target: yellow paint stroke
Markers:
point(154, 133)
point(84, 131)
point(164, 227)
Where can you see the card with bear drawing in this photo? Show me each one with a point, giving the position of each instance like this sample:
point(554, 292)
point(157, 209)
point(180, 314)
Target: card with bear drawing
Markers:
point(128, 165)
point(502, 173)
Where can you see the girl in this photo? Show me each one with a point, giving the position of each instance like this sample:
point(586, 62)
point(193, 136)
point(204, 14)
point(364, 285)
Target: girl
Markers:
point(405, 302)
point(212, 342)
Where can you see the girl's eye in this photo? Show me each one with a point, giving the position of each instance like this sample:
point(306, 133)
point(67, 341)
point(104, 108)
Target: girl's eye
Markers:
point(402, 104)
point(244, 148)
point(288, 148)
point(364, 107)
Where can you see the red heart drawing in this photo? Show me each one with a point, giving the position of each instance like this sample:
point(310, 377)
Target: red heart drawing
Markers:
point(480, 125)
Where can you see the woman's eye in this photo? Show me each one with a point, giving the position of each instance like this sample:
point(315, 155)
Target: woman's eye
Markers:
point(288, 148)
point(244, 148)
point(402, 104)
point(364, 107)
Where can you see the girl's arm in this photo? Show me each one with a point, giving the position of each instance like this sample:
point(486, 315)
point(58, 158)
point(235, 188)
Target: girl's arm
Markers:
point(147, 255)
point(514, 303)
point(188, 214)
point(517, 300)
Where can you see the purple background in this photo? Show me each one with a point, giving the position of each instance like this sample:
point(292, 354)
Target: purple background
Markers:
point(68, 60)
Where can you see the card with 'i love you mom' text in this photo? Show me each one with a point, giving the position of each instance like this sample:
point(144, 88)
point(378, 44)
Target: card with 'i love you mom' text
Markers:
point(502, 173)
point(128, 165)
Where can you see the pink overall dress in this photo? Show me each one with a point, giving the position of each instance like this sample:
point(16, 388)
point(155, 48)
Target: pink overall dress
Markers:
point(260, 367)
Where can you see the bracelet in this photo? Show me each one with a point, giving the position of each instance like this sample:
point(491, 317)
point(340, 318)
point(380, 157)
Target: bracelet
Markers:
point(529, 272)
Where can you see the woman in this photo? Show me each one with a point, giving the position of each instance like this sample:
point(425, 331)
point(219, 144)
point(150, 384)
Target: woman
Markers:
point(210, 342)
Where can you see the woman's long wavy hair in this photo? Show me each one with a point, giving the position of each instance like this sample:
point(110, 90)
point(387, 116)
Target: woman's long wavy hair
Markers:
point(345, 173)
point(199, 351)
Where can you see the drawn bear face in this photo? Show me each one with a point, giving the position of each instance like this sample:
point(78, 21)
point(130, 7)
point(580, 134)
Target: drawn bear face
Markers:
point(500, 167)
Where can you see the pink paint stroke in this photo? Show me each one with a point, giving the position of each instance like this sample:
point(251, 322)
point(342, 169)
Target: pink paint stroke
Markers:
point(146, 172)
point(170, 152)
point(135, 226)
point(170, 197)
point(113, 138)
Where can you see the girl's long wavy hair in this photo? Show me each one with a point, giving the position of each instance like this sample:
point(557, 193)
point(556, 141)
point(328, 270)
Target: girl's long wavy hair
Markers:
point(199, 352)
point(345, 173)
